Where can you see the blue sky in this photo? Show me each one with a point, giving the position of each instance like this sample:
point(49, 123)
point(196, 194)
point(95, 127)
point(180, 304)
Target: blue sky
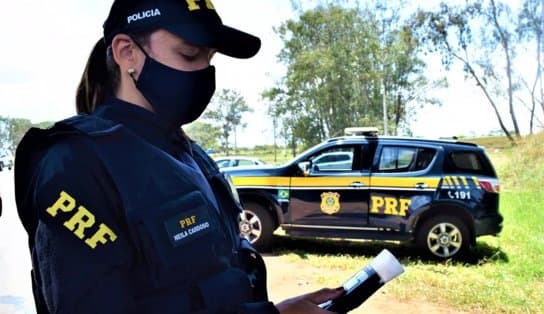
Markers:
point(45, 45)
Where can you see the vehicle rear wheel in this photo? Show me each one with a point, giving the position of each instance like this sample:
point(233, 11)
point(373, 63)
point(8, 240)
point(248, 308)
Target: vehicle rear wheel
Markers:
point(256, 225)
point(443, 236)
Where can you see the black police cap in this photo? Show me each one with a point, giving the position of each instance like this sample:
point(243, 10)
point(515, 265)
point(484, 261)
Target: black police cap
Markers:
point(196, 21)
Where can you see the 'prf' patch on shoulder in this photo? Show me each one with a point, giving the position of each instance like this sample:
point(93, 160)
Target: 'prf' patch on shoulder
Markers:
point(187, 226)
point(81, 220)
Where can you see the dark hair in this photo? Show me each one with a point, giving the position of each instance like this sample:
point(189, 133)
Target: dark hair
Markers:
point(101, 76)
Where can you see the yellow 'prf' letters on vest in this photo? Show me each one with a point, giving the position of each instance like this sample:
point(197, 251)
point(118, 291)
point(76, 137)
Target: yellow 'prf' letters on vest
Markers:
point(194, 6)
point(82, 219)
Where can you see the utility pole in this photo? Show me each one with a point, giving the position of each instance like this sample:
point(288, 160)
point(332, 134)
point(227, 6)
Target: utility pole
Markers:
point(235, 143)
point(384, 94)
point(274, 123)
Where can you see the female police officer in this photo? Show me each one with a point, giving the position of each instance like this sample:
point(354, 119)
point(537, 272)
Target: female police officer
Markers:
point(124, 214)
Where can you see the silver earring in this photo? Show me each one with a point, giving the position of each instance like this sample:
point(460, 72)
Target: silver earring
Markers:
point(131, 71)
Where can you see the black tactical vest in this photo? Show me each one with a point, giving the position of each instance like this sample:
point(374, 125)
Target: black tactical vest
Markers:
point(218, 271)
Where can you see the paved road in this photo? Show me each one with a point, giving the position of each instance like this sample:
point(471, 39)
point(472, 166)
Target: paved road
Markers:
point(15, 285)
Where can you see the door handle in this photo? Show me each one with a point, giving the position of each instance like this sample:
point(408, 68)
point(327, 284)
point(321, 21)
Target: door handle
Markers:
point(421, 185)
point(356, 184)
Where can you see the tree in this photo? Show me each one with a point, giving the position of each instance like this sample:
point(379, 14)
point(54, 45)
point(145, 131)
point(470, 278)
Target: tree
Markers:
point(338, 61)
point(203, 133)
point(12, 131)
point(503, 35)
point(531, 27)
point(477, 35)
point(17, 129)
point(5, 141)
point(226, 111)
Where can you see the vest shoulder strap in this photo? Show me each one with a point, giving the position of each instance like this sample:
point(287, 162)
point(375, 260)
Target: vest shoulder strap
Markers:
point(89, 125)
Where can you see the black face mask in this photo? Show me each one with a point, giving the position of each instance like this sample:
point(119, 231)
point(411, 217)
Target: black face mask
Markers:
point(177, 97)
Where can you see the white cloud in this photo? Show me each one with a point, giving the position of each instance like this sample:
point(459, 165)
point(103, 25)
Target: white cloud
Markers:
point(48, 47)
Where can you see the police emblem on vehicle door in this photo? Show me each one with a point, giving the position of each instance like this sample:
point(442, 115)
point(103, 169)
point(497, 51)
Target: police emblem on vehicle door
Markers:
point(330, 203)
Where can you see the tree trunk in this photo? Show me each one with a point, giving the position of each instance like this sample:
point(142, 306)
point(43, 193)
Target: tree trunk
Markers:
point(235, 143)
point(398, 113)
point(488, 96)
point(293, 145)
point(505, 46)
point(226, 138)
point(539, 42)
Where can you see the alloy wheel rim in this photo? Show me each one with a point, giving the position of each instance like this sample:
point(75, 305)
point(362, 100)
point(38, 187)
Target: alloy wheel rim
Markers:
point(444, 239)
point(250, 226)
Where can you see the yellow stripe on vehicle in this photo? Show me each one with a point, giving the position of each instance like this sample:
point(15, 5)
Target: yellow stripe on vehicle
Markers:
point(447, 181)
point(328, 181)
point(261, 181)
point(455, 181)
point(476, 182)
point(404, 182)
point(465, 182)
point(297, 182)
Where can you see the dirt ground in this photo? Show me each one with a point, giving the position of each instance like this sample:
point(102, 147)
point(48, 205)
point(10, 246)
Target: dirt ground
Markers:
point(287, 279)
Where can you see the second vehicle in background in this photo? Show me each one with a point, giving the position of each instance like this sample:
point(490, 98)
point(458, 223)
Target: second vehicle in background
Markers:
point(6, 161)
point(235, 161)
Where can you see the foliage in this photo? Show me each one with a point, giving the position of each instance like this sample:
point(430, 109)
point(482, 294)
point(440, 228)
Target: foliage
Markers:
point(339, 60)
point(225, 112)
point(12, 131)
point(522, 167)
point(530, 30)
point(486, 39)
point(203, 133)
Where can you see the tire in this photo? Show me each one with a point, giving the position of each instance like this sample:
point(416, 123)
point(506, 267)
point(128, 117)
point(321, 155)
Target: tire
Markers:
point(443, 237)
point(256, 225)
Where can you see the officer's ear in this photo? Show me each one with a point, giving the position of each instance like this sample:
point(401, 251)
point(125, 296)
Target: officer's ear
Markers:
point(127, 55)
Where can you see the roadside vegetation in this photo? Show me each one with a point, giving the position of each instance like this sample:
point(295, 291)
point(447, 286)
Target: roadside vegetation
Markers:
point(502, 275)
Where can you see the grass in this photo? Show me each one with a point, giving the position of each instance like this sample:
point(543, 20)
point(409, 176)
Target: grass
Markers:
point(502, 275)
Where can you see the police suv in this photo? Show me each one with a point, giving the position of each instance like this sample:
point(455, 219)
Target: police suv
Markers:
point(442, 194)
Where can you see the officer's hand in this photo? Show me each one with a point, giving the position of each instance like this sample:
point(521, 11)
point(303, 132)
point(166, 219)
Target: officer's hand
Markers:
point(308, 303)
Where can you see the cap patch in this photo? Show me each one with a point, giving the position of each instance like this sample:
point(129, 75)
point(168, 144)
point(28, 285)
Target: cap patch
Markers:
point(143, 15)
point(192, 5)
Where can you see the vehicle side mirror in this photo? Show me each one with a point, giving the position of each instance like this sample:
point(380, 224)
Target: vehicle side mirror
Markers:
point(305, 166)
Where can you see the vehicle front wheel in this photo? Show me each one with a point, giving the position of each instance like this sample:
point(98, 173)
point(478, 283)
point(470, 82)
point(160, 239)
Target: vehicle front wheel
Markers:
point(443, 236)
point(256, 225)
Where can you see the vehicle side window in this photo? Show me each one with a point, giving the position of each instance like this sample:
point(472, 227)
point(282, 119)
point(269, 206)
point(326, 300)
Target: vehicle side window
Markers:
point(405, 159)
point(424, 158)
point(471, 162)
point(245, 163)
point(336, 159)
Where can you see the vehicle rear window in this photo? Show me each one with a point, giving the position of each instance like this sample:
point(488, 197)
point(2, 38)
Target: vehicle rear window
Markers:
point(471, 162)
point(405, 159)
